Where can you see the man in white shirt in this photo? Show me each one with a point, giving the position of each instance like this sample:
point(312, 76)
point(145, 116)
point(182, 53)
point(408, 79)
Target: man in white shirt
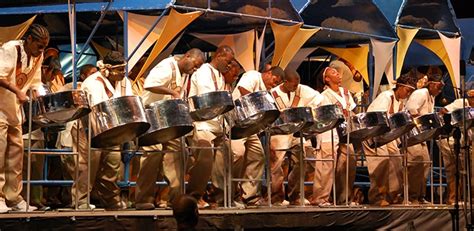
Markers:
point(166, 80)
point(385, 172)
point(101, 86)
point(248, 156)
point(289, 94)
point(20, 69)
point(324, 178)
point(446, 147)
point(207, 78)
point(421, 102)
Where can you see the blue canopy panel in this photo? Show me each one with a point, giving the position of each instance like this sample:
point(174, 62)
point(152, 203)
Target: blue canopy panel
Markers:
point(65, 56)
point(430, 14)
point(254, 14)
point(11, 7)
point(358, 18)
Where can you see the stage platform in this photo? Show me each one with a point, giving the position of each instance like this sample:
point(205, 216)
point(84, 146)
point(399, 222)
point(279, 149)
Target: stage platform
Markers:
point(263, 218)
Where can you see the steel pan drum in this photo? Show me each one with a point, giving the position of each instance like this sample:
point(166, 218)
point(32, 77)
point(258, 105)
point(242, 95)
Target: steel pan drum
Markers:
point(37, 114)
point(457, 117)
point(326, 118)
point(65, 106)
point(427, 127)
point(252, 113)
point(117, 121)
point(400, 123)
point(292, 120)
point(169, 119)
point(364, 126)
point(209, 105)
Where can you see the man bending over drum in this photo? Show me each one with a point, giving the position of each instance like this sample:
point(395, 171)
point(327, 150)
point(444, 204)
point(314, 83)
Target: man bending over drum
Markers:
point(20, 69)
point(248, 156)
point(103, 85)
point(421, 102)
point(386, 178)
point(324, 177)
point(166, 80)
point(207, 78)
point(446, 145)
point(289, 94)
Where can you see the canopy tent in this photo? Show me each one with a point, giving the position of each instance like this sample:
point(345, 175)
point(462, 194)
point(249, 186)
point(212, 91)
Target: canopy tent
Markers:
point(351, 25)
point(431, 23)
point(347, 22)
point(219, 17)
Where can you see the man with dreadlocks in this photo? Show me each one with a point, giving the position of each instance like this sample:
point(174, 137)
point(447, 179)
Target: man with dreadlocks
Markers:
point(20, 69)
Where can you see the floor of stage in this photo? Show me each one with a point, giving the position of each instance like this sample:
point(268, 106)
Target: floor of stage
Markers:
point(431, 217)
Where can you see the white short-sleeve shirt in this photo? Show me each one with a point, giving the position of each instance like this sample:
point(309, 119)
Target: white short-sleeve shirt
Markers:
point(94, 87)
point(420, 102)
point(250, 81)
point(10, 111)
point(201, 83)
point(332, 97)
point(161, 76)
point(384, 102)
point(308, 97)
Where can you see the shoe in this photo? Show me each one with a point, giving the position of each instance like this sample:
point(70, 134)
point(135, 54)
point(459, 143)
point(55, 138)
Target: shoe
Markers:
point(382, 203)
point(85, 206)
point(238, 204)
point(163, 204)
point(297, 202)
point(259, 202)
point(423, 201)
point(121, 205)
point(144, 206)
point(202, 204)
point(324, 204)
point(3, 207)
point(354, 203)
point(21, 207)
point(283, 203)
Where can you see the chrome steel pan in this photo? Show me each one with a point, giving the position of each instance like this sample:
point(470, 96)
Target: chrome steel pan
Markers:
point(209, 105)
point(400, 123)
point(252, 113)
point(326, 118)
point(117, 120)
point(64, 106)
point(364, 126)
point(457, 117)
point(292, 120)
point(427, 127)
point(169, 119)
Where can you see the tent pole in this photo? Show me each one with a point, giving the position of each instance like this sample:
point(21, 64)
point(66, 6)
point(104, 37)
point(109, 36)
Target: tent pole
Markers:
point(456, 34)
point(102, 15)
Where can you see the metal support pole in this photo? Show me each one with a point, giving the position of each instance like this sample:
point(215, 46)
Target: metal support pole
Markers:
point(28, 177)
point(89, 135)
point(268, 167)
point(230, 162)
point(182, 167)
point(334, 162)
point(101, 18)
point(76, 168)
point(404, 152)
point(302, 175)
point(431, 171)
point(440, 159)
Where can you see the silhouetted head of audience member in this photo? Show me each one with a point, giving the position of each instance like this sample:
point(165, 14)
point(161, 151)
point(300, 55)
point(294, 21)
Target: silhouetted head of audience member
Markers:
point(185, 211)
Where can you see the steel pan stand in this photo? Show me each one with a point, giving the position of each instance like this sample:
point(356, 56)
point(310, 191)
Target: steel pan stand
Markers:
point(223, 148)
point(42, 152)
